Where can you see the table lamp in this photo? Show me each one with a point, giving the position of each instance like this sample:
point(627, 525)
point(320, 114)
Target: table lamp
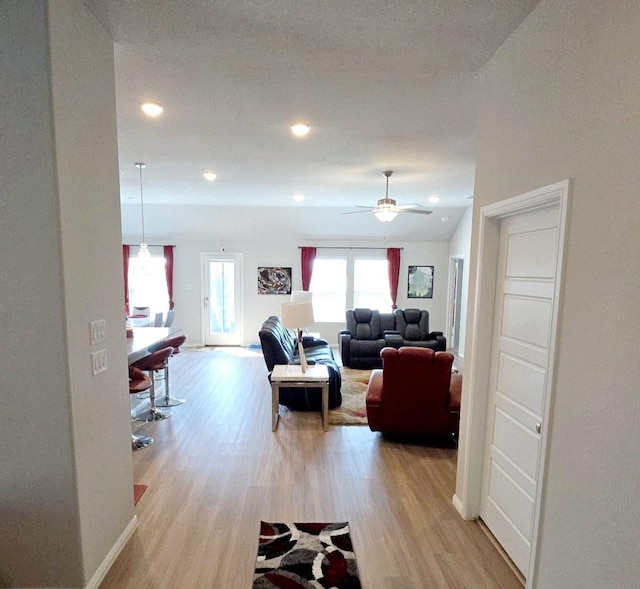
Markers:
point(301, 296)
point(297, 316)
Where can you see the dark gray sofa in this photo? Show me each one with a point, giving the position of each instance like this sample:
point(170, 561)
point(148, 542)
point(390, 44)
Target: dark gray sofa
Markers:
point(279, 346)
point(368, 331)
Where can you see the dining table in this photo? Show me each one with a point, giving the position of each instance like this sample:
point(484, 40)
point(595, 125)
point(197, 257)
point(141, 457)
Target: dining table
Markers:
point(140, 339)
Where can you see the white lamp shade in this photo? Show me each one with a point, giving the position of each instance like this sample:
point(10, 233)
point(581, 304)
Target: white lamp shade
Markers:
point(297, 315)
point(301, 296)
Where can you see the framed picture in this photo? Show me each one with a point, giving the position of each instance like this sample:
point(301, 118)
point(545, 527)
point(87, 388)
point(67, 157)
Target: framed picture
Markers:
point(274, 280)
point(420, 284)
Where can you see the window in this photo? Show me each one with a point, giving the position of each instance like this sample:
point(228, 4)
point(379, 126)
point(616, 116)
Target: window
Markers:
point(148, 284)
point(341, 283)
point(371, 284)
point(329, 288)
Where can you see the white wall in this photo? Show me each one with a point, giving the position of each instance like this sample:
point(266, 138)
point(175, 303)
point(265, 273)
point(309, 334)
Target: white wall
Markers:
point(560, 100)
point(65, 464)
point(84, 109)
point(279, 250)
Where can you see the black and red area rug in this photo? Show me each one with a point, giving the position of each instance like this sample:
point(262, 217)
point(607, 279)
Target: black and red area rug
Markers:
point(306, 555)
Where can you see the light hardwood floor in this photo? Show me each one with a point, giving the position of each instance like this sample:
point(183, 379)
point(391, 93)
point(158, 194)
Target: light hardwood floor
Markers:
point(215, 470)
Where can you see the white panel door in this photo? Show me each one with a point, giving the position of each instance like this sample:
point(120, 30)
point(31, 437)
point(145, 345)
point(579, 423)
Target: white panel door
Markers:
point(519, 362)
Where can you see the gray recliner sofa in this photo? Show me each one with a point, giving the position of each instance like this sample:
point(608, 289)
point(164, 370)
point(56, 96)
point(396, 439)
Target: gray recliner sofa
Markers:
point(368, 331)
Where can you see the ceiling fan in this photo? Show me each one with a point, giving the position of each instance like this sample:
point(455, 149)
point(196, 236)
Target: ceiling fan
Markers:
point(386, 210)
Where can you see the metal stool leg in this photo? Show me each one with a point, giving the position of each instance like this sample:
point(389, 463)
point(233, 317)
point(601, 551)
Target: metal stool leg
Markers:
point(139, 442)
point(153, 413)
point(168, 400)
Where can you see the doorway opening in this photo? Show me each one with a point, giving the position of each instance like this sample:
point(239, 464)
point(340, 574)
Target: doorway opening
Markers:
point(221, 301)
point(456, 273)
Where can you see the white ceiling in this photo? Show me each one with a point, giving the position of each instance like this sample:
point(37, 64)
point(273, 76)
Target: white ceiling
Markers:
point(384, 85)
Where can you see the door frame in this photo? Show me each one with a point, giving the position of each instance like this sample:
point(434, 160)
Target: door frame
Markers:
point(450, 298)
point(476, 394)
point(203, 290)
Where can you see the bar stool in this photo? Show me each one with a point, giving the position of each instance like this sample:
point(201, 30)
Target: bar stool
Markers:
point(156, 361)
point(169, 401)
point(138, 382)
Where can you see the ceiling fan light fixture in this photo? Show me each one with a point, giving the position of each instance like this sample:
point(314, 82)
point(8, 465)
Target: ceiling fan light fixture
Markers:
point(152, 109)
point(385, 215)
point(386, 210)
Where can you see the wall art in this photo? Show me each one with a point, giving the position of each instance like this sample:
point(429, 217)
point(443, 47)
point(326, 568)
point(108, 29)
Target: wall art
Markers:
point(274, 280)
point(420, 284)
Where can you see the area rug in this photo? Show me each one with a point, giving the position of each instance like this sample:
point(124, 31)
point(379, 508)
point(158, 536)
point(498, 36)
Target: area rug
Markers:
point(305, 555)
point(138, 491)
point(353, 409)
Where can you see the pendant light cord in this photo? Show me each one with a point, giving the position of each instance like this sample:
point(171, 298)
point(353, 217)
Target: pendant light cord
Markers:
point(140, 166)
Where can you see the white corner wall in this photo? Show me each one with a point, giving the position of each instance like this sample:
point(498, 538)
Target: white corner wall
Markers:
point(65, 464)
point(560, 100)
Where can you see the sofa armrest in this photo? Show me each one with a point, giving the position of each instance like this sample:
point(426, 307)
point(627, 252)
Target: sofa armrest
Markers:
point(374, 388)
point(344, 345)
point(393, 339)
point(439, 337)
point(308, 341)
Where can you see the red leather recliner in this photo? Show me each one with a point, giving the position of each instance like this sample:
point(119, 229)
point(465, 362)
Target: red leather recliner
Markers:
point(414, 393)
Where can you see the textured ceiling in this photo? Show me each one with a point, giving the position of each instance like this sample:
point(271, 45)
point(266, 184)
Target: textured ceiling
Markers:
point(384, 85)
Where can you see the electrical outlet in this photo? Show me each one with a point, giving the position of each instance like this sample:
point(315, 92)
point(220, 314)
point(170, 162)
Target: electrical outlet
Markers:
point(98, 331)
point(99, 362)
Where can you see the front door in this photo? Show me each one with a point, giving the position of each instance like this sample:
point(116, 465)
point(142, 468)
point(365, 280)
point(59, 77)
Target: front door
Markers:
point(520, 359)
point(222, 301)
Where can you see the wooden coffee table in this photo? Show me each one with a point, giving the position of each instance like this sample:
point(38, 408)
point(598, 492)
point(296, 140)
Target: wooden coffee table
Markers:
point(291, 375)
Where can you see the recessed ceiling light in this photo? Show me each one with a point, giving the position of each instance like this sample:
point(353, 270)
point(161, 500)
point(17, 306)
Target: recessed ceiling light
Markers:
point(209, 176)
point(445, 219)
point(300, 130)
point(151, 109)
point(434, 198)
point(298, 197)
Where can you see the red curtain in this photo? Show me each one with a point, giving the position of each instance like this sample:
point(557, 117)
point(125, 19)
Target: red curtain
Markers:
point(393, 257)
point(168, 270)
point(308, 255)
point(126, 252)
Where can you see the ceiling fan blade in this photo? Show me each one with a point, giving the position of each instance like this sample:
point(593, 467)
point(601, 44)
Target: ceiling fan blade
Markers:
point(419, 211)
point(410, 206)
point(364, 210)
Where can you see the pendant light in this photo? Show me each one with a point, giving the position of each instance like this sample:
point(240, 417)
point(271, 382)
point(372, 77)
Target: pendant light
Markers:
point(143, 252)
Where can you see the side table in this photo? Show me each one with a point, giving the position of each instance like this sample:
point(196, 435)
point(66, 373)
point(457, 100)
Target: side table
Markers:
point(291, 375)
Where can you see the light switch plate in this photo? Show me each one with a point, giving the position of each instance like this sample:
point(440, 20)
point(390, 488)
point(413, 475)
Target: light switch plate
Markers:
point(98, 331)
point(99, 362)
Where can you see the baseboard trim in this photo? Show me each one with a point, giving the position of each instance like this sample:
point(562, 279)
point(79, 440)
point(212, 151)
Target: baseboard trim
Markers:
point(460, 508)
point(108, 561)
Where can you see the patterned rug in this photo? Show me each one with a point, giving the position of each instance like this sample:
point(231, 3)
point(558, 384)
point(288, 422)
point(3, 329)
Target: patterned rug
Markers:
point(305, 556)
point(353, 410)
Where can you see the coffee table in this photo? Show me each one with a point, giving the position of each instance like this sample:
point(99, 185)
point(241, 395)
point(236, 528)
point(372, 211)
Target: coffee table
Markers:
point(291, 375)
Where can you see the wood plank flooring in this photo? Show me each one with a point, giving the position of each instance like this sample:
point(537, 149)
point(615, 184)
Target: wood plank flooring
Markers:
point(215, 470)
